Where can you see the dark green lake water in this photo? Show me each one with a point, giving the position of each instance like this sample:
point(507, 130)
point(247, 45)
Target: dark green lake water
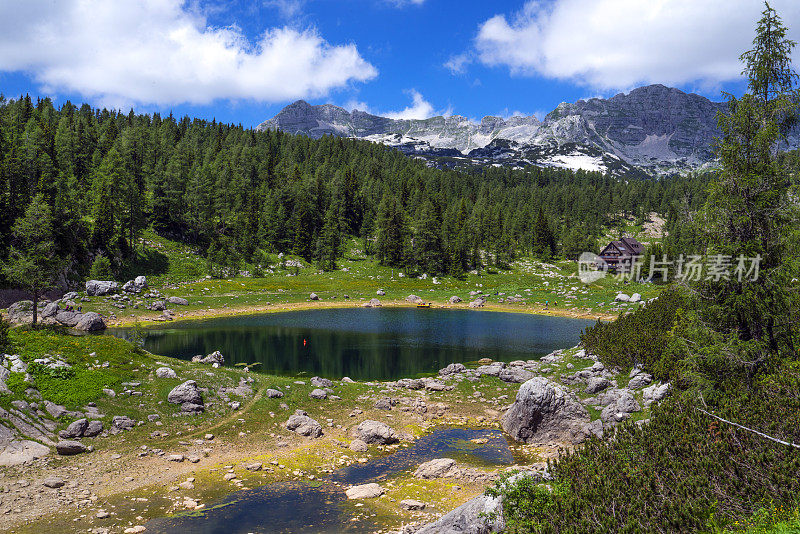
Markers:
point(366, 344)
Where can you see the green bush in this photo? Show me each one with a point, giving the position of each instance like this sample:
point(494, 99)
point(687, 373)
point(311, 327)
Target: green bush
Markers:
point(639, 338)
point(5, 341)
point(101, 269)
point(16, 383)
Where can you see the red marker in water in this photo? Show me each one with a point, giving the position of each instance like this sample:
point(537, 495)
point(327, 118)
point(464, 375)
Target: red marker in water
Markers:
point(304, 342)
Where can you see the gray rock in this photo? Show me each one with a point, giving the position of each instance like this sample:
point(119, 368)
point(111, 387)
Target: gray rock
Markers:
point(178, 301)
point(55, 410)
point(452, 369)
point(381, 292)
point(50, 310)
point(214, 357)
point(194, 408)
point(493, 369)
point(372, 303)
point(318, 394)
point(18, 452)
point(300, 423)
point(68, 318)
point(101, 287)
point(313, 296)
point(53, 482)
point(481, 515)
point(384, 403)
point(122, 422)
point(70, 447)
point(75, 429)
point(438, 468)
point(370, 431)
point(165, 372)
point(454, 299)
point(93, 428)
point(274, 394)
point(412, 504)
point(414, 299)
point(21, 312)
point(358, 445)
point(186, 392)
point(318, 382)
point(410, 383)
point(597, 384)
point(543, 412)
point(655, 393)
point(515, 375)
point(640, 380)
point(91, 322)
point(364, 491)
point(72, 295)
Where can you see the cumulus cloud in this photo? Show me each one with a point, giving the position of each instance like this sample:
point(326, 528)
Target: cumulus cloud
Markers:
point(404, 3)
point(160, 52)
point(613, 44)
point(419, 108)
point(287, 8)
point(458, 63)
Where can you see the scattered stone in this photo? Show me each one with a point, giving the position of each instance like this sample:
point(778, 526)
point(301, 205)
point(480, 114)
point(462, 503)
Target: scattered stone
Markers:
point(372, 303)
point(254, 467)
point(438, 468)
point(122, 422)
point(165, 372)
point(70, 447)
point(452, 369)
point(313, 296)
point(364, 491)
point(318, 394)
point(455, 299)
point(274, 394)
point(101, 287)
point(53, 482)
point(516, 375)
point(300, 423)
point(384, 403)
point(175, 458)
point(370, 431)
point(185, 393)
point(597, 384)
point(74, 430)
point(655, 393)
point(414, 299)
point(411, 504)
point(178, 301)
point(318, 382)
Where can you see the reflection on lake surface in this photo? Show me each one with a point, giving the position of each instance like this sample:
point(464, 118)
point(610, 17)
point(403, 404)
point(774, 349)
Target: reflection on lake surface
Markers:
point(366, 344)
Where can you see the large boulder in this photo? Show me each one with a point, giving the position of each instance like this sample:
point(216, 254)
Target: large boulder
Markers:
point(364, 491)
point(300, 423)
point(101, 287)
point(178, 301)
point(136, 285)
point(376, 432)
point(597, 384)
point(371, 303)
point(453, 368)
point(166, 372)
point(91, 322)
point(69, 447)
point(319, 382)
point(639, 379)
point(21, 312)
point(50, 310)
point(215, 357)
point(414, 299)
point(454, 299)
point(438, 468)
point(93, 429)
point(17, 452)
point(75, 429)
point(543, 412)
point(481, 515)
point(68, 318)
point(186, 392)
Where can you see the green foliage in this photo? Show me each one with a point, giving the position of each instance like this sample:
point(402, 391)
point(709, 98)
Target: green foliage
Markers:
point(527, 503)
point(639, 338)
point(74, 389)
point(101, 269)
point(5, 341)
point(16, 383)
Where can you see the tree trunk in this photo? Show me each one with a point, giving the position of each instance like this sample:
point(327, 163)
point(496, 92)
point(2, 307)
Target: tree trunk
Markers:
point(35, 305)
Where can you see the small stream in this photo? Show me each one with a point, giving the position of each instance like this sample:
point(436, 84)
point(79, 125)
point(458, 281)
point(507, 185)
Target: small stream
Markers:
point(317, 506)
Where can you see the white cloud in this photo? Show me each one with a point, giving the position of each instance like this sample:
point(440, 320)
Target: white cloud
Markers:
point(287, 8)
point(419, 108)
point(457, 64)
point(160, 52)
point(617, 44)
point(404, 3)
point(353, 105)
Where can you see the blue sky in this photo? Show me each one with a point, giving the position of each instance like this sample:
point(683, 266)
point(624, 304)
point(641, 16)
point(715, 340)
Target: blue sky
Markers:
point(243, 61)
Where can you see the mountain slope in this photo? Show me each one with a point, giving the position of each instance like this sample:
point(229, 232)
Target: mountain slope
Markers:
point(654, 129)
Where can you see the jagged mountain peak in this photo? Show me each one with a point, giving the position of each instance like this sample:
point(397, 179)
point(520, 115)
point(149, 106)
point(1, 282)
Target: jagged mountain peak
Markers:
point(655, 128)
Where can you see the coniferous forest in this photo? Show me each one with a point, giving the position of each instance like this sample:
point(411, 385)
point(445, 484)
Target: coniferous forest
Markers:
point(236, 193)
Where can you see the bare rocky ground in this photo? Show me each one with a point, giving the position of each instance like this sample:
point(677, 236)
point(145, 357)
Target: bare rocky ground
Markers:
point(180, 435)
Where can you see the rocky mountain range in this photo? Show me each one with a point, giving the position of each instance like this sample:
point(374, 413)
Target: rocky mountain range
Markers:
point(652, 130)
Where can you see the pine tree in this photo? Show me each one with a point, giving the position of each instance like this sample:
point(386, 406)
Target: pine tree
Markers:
point(428, 240)
point(32, 262)
point(330, 242)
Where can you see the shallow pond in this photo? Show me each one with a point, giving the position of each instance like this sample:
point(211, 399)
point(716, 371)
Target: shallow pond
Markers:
point(365, 344)
point(320, 506)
